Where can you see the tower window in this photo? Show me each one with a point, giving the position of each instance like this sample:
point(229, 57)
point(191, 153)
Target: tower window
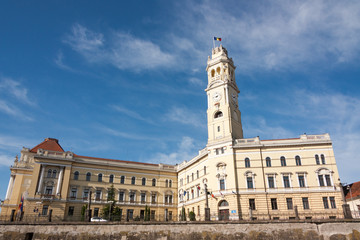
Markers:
point(218, 128)
point(218, 70)
point(247, 162)
point(218, 114)
point(213, 73)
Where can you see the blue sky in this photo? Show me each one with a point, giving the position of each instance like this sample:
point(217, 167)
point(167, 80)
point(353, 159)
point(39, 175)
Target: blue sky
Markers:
point(126, 79)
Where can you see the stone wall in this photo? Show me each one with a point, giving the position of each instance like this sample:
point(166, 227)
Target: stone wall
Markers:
point(183, 231)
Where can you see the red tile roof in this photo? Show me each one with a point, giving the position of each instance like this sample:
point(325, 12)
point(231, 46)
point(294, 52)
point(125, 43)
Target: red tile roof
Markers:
point(355, 191)
point(51, 144)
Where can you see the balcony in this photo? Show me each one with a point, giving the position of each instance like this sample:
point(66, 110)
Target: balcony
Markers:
point(47, 196)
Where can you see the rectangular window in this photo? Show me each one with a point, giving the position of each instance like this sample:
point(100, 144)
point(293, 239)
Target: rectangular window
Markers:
point(332, 202)
point(181, 182)
point(122, 179)
point(98, 195)
point(96, 212)
point(152, 214)
point(86, 194)
point(45, 210)
point(286, 181)
point(48, 190)
point(192, 194)
point(153, 198)
point(301, 181)
point(325, 202)
point(305, 201)
point(132, 197)
point(170, 215)
point(274, 204)
point(71, 211)
point(198, 191)
point(321, 181)
point(222, 184)
point(204, 170)
point(271, 182)
point(327, 179)
point(73, 193)
point(289, 203)
point(249, 183)
point(121, 196)
point(252, 204)
point(143, 195)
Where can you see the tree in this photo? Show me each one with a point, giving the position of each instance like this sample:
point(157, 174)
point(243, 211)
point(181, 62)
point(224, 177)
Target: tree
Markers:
point(183, 214)
point(83, 210)
point(192, 216)
point(147, 213)
point(110, 211)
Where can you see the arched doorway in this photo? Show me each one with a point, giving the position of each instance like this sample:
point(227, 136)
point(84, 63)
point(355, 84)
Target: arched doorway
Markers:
point(223, 210)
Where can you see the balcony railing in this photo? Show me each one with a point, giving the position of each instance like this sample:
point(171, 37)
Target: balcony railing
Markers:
point(47, 196)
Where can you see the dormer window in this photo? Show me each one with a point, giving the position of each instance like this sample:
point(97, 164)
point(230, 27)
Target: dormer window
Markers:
point(218, 114)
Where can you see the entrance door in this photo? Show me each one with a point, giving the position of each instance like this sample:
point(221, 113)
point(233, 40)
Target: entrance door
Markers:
point(224, 214)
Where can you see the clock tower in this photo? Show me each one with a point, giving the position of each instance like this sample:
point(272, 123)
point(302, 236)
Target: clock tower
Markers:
point(224, 117)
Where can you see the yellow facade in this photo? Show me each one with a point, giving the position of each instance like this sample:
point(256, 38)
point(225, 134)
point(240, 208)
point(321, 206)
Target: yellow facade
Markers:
point(245, 178)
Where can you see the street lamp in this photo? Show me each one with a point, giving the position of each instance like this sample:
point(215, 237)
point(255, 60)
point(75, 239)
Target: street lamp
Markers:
point(111, 202)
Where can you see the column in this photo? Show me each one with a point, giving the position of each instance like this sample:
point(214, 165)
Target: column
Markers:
point(42, 175)
point(10, 186)
point(59, 182)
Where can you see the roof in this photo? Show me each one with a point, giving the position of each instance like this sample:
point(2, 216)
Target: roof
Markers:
point(115, 160)
point(51, 144)
point(355, 190)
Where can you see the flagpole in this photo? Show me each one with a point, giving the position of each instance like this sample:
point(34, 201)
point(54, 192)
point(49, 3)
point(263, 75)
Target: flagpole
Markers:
point(214, 42)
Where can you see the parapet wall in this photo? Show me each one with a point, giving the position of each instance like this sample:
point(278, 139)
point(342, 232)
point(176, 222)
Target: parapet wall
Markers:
point(183, 231)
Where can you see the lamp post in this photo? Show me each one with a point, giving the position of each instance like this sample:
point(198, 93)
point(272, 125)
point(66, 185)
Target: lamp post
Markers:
point(111, 202)
point(207, 209)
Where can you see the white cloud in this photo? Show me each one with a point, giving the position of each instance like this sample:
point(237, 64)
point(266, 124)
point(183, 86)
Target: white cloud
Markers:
point(196, 81)
point(59, 61)
point(15, 89)
point(121, 50)
point(186, 116)
point(6, 160)
point(10, 109)
point(131, 114)
point(187, 149)
point(277, 35)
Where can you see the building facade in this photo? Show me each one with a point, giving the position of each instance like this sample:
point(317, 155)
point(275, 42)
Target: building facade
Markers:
point(236, 178)
point(352, 196)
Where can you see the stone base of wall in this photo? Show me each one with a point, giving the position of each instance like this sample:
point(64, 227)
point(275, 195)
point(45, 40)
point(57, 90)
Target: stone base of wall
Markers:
point(181, 231)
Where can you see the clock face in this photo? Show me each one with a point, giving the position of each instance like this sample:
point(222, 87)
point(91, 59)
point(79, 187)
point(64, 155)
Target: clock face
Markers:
point(217, 96)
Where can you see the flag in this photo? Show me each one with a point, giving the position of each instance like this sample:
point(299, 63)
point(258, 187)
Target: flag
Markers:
point(192, 190)
point(217, 39)
point(198, 187)
point(234, 192)
point(184, 193)
point(221, 193)
point(21, 205)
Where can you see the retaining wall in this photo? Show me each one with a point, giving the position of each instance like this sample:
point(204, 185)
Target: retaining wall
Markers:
point(183, 231)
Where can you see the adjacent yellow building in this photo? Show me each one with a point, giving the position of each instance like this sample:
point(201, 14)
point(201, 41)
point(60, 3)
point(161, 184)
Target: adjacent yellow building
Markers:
point(232, 178)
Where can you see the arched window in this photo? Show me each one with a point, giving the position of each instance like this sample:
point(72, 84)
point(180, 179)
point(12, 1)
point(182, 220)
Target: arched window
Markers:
point(54, 174)
point(197, 174)
point(268, 161)
point(143, 181)
point(283, 161)
point(218, 70)
point(100, 177)
point(317, 159)
point(298, 160)
point(218, 114)
point(154, 182)
point(213, 73)
point(133, 180)
point(223, 203)
point(111, 178)
point(204, 170)
point(247, 162)
point(49, 173)
point(322, 159)
point(88, 176)
point(122, 179)
point(166, 183)
point(187, 178)
point(76, 175)
point(170, 183)
point(192, 177)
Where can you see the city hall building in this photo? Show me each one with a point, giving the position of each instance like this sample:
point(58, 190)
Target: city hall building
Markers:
point(232, 178)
